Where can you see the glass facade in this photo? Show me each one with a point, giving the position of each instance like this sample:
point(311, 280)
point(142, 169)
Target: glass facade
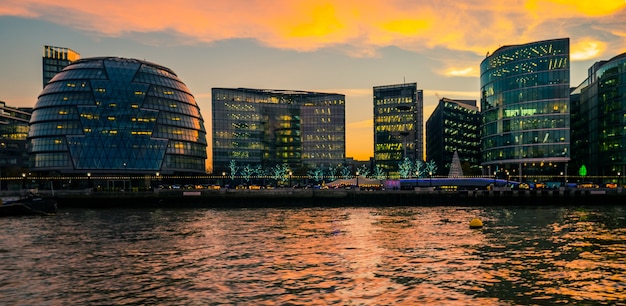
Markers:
point(398, 125)
point(263, 127)
point(525, 108)
point(599, 106)
point(117, 115)
point(13, 133)
point(55, 59)
point(454, 126)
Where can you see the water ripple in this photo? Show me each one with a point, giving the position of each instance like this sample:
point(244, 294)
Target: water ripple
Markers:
point(316, 256)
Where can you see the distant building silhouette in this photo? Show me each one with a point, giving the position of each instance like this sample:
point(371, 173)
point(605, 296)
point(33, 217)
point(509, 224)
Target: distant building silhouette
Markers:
point(55, 59)
point(110, 115)
point(454, 128)
point(525, 92)
point(267, 127)
point(398, 125)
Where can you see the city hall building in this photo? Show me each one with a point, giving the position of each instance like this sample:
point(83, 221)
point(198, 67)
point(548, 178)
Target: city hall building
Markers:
point(111, 115)
point(525, 92)
point(266, 127)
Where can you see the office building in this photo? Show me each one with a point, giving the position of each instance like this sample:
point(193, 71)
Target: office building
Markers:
point(55, 59)
point(454, 126)
point(266, 127)
point(525, 108)
point(13, 133)
point(598, 120)
point(110, 115)
point(398, 125)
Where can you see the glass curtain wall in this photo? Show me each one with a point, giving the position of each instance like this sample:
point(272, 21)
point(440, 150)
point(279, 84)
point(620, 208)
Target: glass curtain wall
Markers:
point(525, 108)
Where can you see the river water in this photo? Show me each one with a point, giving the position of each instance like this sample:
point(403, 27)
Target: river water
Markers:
point(316, 256)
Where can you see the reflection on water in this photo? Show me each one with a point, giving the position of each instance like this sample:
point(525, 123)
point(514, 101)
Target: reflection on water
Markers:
point(390, 255)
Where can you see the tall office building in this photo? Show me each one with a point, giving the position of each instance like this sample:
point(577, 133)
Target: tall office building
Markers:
point(454, 126)
point(598, 120)
point(110, 115)
point(13, 133)
point(398, 125)
point(55, 59)
point(265, 127)
point(525, 108)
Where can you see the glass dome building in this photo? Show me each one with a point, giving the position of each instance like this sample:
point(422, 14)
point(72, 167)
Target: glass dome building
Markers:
point(110, 115)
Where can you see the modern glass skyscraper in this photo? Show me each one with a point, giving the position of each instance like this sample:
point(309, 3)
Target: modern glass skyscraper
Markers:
point(110, 115)
point(265, 127)
point(454, 126)
point(599, 106)
point(398, 125)
point(55, 59)
point(525, 107)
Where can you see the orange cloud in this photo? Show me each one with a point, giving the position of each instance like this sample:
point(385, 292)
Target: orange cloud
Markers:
point(359, 28)
point(462, 72)
point(586, 49)
point(579, 7)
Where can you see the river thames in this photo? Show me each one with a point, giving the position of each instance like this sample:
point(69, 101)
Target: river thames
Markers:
point(316, 256)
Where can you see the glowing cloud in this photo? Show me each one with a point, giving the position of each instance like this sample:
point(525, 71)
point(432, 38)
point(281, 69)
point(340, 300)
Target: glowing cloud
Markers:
point(586, 49)
point(358, 28)
point(462, 72)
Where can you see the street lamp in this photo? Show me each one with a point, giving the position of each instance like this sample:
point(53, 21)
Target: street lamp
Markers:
point(290, 174)
point(89, 179)
point(430, 181)
point(357, 179)
point(23, 180)
point(619, 177)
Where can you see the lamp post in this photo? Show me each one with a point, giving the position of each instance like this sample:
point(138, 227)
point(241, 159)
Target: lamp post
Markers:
point(125, 174)
point(494, 178)
point(619, 178)
point(507, 177)
point(23, 180)
point(563, 178)
point(430, 181)
point(290, 174)
point(417, 179)
point(88, 179)
point(224, 178)
point(357, 179)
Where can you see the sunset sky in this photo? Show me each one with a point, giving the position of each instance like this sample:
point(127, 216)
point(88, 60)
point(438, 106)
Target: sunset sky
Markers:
point(344, 47)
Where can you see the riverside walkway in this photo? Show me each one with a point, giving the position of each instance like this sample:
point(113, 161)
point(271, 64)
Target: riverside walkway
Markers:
point(230, 198)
